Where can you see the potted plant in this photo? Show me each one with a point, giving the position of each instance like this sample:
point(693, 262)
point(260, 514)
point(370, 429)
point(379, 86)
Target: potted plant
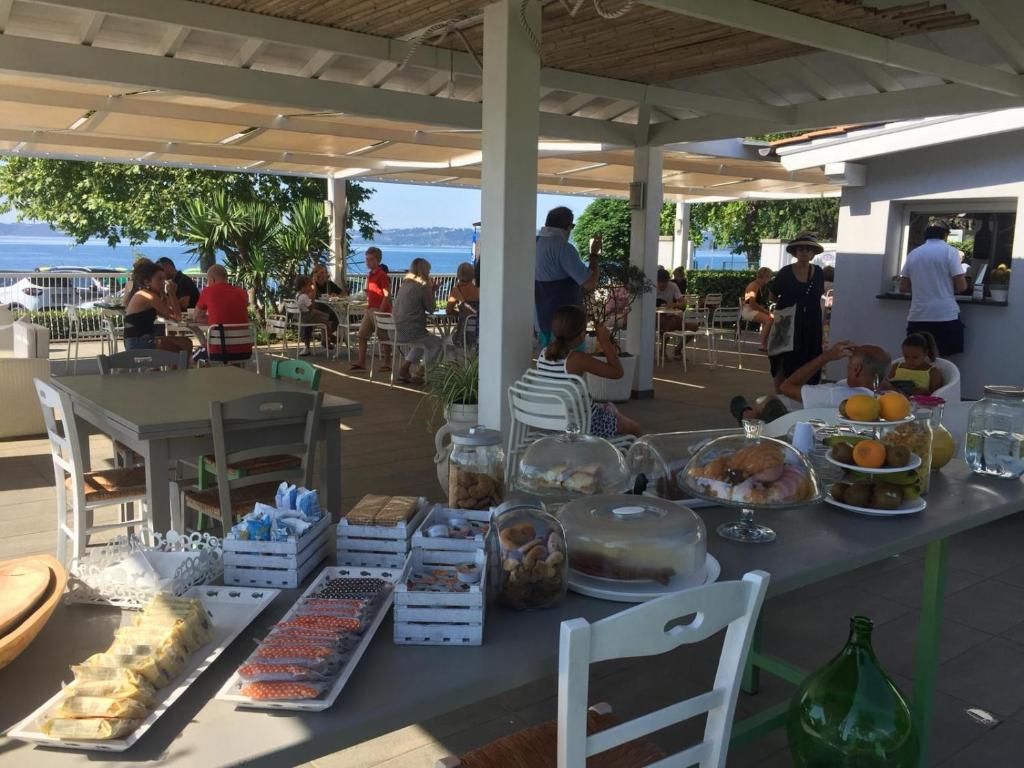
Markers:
point(618, 288)
point(999, 283)
point(452, 389)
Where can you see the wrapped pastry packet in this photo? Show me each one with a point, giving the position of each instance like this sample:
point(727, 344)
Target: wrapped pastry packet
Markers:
point(91, 729)
point(268, 691)
point(107, 674)
point(138, 690)
point(146, 666)
point(101, 706)
point(341, 623)
point(257, 672)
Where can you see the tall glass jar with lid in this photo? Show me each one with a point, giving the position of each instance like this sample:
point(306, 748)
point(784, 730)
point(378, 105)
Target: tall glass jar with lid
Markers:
point(476, 469)
point(916, 436)
point(995, 433)
point(528, 556)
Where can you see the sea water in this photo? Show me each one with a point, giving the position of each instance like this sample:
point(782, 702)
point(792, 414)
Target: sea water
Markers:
point(995, 452)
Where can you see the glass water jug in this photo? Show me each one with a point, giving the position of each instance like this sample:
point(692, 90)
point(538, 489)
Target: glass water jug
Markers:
point(995, 433)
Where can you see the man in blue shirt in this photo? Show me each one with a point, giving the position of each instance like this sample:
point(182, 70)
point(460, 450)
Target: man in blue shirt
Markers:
point(561, 276)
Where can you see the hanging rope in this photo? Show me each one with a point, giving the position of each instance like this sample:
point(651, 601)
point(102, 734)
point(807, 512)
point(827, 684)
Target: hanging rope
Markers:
point(612, 15)
point(443, 27)
point(572, 7)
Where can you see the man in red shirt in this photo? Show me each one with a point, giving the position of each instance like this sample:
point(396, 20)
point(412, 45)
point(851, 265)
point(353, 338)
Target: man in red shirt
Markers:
point(378, 299)
point(221, 303)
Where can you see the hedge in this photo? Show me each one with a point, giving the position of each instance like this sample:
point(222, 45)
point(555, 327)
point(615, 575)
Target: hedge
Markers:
point(56, 320)
point(729, 283)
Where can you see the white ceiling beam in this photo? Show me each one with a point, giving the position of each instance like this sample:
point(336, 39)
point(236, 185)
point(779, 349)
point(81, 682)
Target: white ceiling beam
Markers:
point(997, 29)
point(824, 35)
point(379, 74)
point(763, 170)
point(317, 64)
point(228, 21)
point(877, 76)
point(5, 13)
point(91, 28)
point(574, 104)
point(433, 84)
point(247, 53)
point(172, 40)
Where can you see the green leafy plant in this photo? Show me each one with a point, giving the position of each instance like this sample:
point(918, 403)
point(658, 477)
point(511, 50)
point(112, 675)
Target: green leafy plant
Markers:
point(455, 381)
point(729, 283)
point(619, 286)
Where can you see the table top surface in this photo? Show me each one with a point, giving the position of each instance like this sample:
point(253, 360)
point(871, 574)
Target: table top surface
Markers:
point(813, 543)
point(178, 402)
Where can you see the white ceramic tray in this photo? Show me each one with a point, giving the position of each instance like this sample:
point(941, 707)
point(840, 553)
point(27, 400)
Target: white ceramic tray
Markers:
point(879, 423)
point(231, 609)
point(230, 691)
point(641, 591)
point(907, 508)
point(915, 462)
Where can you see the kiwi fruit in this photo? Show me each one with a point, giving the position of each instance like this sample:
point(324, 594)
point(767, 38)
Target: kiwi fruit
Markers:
point(843, 453)
point(857, 495)
point(838, 490)
point(886, 496)
point(897, 456)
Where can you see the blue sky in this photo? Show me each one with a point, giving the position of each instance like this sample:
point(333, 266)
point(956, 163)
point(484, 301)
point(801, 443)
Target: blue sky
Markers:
point(399, 206)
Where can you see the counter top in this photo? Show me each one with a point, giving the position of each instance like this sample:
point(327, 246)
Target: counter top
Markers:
point(961, 301)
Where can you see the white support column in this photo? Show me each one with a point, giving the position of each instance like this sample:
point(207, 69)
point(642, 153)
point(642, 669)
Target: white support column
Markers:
point(643, 253)
point(681, 237)
point(511, 82)
point(337, 201)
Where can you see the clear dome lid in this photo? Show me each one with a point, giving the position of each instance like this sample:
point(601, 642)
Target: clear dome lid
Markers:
point(751, 470)
point(656, 462)
point(633, 538)
point(570, 465)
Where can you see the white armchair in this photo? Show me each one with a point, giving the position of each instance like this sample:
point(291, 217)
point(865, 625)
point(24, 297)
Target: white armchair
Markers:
point(25, 358)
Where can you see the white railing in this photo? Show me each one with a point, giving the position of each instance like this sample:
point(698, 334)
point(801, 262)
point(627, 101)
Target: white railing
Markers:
point(443, 283)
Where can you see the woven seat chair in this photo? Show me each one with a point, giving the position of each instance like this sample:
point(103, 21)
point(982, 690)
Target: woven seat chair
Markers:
point(583, 738)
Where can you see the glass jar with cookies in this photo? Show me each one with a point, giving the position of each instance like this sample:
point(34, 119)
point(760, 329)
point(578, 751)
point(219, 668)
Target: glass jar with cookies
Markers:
point(530, 553)
point(476, 469)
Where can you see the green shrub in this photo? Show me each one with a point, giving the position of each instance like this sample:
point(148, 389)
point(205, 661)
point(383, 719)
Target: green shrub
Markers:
point(729, 283)
point(56, 320)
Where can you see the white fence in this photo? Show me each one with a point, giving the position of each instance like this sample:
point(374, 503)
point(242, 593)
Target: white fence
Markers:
point(44, 297)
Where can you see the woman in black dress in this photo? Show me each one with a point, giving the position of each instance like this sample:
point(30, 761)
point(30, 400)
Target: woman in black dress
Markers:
point(801, 284)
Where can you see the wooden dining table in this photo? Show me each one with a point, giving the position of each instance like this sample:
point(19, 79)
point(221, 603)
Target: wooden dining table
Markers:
point(165, 417)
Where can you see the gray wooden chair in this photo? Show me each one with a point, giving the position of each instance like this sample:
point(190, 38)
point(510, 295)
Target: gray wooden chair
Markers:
point(246, 475)
point(142, 361)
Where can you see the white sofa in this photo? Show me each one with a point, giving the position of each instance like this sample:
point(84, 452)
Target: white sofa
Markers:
point(24, 356)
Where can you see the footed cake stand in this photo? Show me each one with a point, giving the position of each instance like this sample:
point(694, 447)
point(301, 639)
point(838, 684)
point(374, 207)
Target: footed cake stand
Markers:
point(745, 530)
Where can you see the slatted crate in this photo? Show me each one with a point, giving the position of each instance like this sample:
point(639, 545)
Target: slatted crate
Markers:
point(281, 564)
point(441, 618)
point(441, 515)
point(378, 546)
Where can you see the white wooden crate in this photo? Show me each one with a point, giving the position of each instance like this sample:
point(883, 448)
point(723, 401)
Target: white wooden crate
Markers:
point(378, 546)
point(441, 515)
point(441, 618)
point(282, 564)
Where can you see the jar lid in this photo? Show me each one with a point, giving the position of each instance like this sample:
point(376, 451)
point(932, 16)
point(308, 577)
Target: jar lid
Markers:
point(1004, 390)
point(477, 436)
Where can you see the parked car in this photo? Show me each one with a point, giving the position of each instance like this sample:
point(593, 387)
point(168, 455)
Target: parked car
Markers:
point(53, 289)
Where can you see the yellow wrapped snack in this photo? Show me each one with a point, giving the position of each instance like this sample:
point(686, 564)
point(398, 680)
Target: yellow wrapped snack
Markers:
point(170, 661)
point(102, 706)
point(177, 637)
point(114, 675)
point(146, 666)
point(93, 728)
point(139, 689)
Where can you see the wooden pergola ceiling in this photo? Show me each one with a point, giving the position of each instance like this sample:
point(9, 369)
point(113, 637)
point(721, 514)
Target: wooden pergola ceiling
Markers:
point(645, 45)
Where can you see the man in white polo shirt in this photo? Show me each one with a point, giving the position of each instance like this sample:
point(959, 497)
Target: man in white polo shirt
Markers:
point(933, 274)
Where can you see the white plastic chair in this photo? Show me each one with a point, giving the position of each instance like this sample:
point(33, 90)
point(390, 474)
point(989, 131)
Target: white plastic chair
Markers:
point(950, 389)
point(221, 336)
point(88, 490)
point(78, 334)
point(691, 300)
point(782, 425)
point(384, 321)
point(113, 328)
point(276, 327)
point(644, 631)
point(295, 323)
point(725, 324)
point(690, 316)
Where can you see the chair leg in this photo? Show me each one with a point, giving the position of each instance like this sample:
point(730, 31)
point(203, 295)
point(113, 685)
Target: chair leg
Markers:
point(75, 369)
point(80, 523)
point(67, 358)
point(62, 522)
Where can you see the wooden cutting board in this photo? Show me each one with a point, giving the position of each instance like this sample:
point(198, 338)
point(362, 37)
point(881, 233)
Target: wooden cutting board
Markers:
point(23, 583)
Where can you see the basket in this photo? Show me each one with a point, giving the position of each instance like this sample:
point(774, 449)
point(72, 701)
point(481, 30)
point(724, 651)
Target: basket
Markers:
point(281, 564)
point(441, 618)
point(378, 546)
point(442, 515)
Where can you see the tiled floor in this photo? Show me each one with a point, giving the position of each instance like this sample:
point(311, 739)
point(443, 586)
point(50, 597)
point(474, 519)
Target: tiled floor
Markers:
point(981, 653)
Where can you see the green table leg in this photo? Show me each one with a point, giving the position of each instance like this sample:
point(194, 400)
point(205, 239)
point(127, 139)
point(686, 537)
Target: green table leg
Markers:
point(926, 661)
point(751, 682)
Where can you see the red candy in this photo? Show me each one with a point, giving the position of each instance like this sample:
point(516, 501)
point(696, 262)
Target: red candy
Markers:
point(322, 622)
point(280, 690)
point(294, 651)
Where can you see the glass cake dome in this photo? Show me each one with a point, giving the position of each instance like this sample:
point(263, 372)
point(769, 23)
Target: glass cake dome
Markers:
point(751, 471)
point(656, 462)
point(570, 465)
point(633, 538)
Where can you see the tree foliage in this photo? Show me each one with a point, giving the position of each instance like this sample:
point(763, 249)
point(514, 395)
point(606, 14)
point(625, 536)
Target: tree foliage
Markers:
point(613, 220)
point(132, 203)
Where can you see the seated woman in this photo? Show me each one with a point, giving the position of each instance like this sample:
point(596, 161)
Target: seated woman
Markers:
point(917, 374)
point(310, 314)
point(147, 300)
point(752, 310)
point(568, 328)
point(463, 302)
point(414, 300)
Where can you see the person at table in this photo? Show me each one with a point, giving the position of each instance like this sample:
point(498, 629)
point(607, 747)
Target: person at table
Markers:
point(669, 298)
point(917, 373)
point(148, 301)
point(799, 285)
point(752, 310)
point(563, 356)
point(309, 315)
point(415, 300)
point(867, 368)
point(560, 277)
point(325, 287)
point(463, 300)
point(221, 303)
point(185, 290)
point(378, 299)
point(679, 278)
point(933, 274)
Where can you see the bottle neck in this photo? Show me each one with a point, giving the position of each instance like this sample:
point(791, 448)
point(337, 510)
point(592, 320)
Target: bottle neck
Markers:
point(860, 633)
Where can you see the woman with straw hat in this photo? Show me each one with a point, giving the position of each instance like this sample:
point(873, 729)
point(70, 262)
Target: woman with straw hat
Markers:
point(799, 286)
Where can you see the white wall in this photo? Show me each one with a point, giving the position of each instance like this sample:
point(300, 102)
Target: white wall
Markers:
point(869, 242)
point(774, 256)
point(665, 257)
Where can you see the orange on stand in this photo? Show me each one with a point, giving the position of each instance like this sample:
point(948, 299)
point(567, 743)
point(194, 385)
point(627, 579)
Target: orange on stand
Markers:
point(893, 406)
point(869, 454)
point(862, 408)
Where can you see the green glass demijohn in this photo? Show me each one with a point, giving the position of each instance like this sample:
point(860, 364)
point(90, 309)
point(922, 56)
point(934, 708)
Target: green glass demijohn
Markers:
point(850, 714)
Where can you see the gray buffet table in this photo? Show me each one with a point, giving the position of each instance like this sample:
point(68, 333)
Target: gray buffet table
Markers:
point(395, 686)
point(167, 417)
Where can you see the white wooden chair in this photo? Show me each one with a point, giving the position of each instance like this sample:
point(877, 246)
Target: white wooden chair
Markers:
point(643, 630)
point(142, 361)
point(78, 334)
point(81, 492)
point(725, 324)
point(222, 337)
point(950, 389)
point(246, 475)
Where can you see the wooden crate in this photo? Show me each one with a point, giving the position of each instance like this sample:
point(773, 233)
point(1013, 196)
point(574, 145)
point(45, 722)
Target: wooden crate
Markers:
point(439, 514)
point(441, 618)
point(281, 564)
point(377, 546)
